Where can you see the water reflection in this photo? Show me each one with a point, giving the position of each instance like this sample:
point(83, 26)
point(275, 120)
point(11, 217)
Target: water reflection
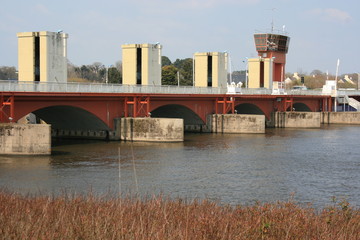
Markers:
point(24, 162)
point(315, 164)
point(24, 173)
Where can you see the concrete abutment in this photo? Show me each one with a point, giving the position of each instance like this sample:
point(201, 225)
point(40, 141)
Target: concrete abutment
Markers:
point(236, 123)
point(25, 139)
point(295, 119)
point(150, 129)
point(340, 117)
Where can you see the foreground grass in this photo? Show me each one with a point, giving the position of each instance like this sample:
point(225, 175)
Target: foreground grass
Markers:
point(158, 218)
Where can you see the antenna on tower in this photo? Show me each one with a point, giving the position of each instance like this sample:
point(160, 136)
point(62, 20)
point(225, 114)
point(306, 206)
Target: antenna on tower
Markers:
point(272, 20)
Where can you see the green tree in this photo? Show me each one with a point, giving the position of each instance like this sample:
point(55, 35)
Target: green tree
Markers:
point(8, 73)
point(317, 72)
point(165, 61)
point(168, 75)
point(185, 67)
point(114, 75)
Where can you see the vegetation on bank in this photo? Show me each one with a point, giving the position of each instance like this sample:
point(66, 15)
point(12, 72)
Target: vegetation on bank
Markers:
point(89, 217)
point(181, 72)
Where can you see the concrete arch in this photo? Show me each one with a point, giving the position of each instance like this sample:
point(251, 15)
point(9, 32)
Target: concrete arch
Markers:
point(70, 118)
point(248, 108)
point(177, 111)
point(300, 107)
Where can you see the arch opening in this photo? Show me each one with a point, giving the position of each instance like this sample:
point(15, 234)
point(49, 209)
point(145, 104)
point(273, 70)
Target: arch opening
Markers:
point(248, 108)
point(70, 118)
point(300, 107)
point(192, 122)
point(72, 122)
point(177, 111)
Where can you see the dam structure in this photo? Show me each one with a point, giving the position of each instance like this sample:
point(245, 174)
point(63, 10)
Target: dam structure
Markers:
point(141, 109)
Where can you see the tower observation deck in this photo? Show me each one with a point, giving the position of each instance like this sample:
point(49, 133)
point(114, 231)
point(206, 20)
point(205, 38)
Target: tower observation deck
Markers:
point(269, 68)
point(268, 42)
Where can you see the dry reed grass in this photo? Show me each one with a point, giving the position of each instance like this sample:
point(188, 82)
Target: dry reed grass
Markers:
point(89, 217)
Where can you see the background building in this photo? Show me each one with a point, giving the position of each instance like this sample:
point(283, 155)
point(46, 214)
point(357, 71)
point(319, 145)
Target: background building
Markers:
point(42, 56)
point(141, 64)
point(268, 70)
point(211, 69)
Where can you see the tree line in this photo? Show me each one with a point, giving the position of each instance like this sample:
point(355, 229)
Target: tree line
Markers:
point(96, 72)
point(178, 72)
point(316, 79)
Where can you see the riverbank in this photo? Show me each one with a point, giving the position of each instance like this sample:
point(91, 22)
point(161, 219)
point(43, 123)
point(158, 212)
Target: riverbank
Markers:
point(89, 217)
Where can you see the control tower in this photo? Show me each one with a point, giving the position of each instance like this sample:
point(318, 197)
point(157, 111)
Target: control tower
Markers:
point(268, 70)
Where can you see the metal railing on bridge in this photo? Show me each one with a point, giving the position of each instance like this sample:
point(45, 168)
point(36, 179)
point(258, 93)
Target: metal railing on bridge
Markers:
point(19, 86)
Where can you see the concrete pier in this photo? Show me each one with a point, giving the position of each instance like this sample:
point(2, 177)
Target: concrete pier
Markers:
point(340, 117)
point(25, 139)
point(296, 119)
point(150, 129)
point(237, 123)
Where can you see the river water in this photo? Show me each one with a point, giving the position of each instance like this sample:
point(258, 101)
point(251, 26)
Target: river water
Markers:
point(313, 165)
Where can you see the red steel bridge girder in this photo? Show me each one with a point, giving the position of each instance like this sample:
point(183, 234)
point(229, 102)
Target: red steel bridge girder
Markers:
point(113, 105)
point(140, 106)
point(227, 105)
point(7, 108)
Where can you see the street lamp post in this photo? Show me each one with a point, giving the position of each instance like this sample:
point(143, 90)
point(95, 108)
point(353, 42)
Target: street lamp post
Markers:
point(178, 78)
point(336, 84)
point(272, 60)
point(107, 75)
point(229, 67)
point(247, 73)
point(193, 71)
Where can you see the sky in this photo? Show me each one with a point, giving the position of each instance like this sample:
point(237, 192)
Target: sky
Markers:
point(321, 31)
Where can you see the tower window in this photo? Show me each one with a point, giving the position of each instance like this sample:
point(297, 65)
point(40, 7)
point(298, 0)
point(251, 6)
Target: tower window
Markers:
point(138, 66)
point(209, 72)
point(37, 58)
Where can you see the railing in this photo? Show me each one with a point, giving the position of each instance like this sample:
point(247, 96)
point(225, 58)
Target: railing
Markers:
point(348, 92)
point(255, 91)
point(17, 86)
point(303, 92)
point(264, 91)
point(354, 103)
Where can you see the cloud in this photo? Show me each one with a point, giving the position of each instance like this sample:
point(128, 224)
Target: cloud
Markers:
point(42, 9)
point(194, 4)
point(337, 15)
point(213, 3)
point(331, 15)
